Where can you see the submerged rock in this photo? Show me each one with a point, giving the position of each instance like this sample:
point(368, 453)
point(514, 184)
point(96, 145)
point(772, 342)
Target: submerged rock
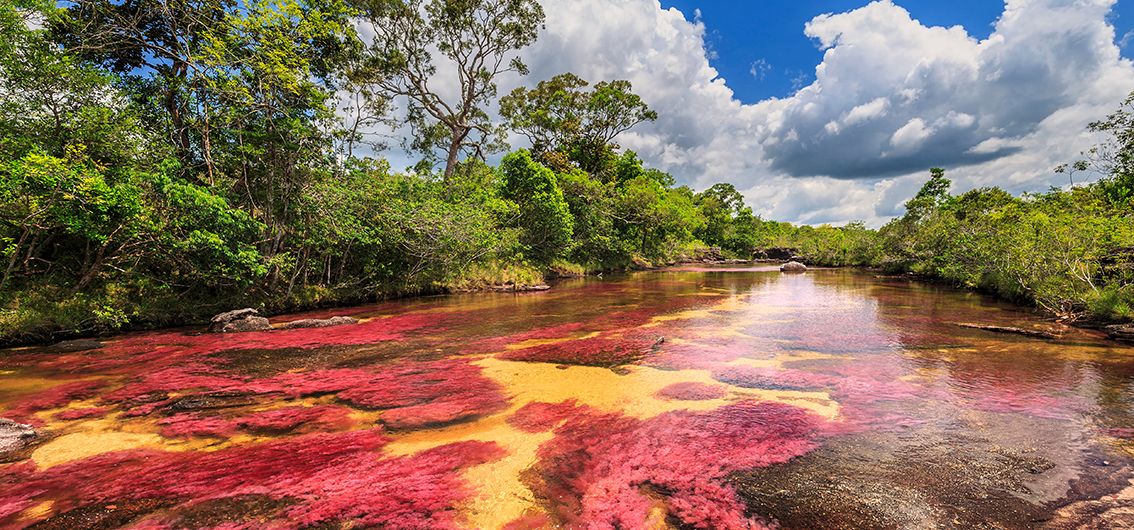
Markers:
point(14, 438)
point(319, 322)
point(1034, 333)
point(793, 266)
point(72, 346)
point(239, 320)
point(1121, 332)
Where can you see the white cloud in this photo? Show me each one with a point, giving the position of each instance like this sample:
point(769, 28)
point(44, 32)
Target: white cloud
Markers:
point(759, 69)
point(910, 137)
point(891, 98)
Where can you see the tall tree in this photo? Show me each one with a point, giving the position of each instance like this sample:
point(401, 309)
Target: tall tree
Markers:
point(476, 41)
point(560, 114)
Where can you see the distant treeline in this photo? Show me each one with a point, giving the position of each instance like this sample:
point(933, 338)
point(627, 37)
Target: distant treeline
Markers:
point(1070, 252)
point(163, 161)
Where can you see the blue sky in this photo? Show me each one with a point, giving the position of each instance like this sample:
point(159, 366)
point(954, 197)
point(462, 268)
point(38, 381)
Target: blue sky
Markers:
point(769, 35)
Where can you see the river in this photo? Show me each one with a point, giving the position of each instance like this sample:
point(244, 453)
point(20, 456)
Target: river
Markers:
point(689, 398)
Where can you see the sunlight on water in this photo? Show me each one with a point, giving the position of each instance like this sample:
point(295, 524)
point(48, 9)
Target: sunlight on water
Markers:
point(699, 397)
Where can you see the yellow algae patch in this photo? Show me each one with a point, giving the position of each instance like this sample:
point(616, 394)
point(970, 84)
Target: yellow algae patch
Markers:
point(104, 435)
point(20, 385)
point(76, 446)
point(39, 511)
point(632, 394)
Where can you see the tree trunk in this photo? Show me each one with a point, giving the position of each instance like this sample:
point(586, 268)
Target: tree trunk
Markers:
point(454, 152)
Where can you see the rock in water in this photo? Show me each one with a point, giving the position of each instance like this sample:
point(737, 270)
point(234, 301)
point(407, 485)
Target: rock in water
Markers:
point(14, 437)
point(72, 346)
point(1121, 332)
point(246, 324)
point(319, 322)
point(1034, 333)
point(793, 266)
point(239, 320)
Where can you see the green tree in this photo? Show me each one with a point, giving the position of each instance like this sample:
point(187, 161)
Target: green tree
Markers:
point(559, 114)
point(543, 214)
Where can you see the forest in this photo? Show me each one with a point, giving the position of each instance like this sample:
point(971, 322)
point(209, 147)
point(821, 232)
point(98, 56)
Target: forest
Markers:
point(161, 162)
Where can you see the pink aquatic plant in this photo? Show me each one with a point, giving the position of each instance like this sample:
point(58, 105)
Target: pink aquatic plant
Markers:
point(323, 479)
point(593, 351)
point(415, 393)
point(55, 397)
point(80, 414)
point(692, 391)
point(607, 470)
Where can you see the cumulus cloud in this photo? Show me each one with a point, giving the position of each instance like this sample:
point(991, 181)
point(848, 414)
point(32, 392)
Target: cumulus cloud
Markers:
point(949, 99)
point(890, 98)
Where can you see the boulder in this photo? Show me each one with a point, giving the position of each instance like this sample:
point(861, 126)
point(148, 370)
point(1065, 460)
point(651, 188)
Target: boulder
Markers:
point(14, 438)
point(239, 320)
point(1121, 332)
point(243, 325)
point(319, 322)
point(793, 266)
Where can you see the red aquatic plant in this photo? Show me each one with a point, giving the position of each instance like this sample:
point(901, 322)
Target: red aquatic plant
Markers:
point(538, 416)
point(327, 478)
point(692, 391)
point(52, 398)
point(608, 471)
point(593, 351)
point(288, 419)
point(414, 393)
point(83, 413)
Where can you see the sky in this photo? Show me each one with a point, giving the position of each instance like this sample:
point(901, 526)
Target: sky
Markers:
point(833, 111)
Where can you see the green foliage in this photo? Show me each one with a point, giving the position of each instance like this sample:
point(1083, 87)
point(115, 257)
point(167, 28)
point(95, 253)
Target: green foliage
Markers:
point(542, 213)
point(559, 115)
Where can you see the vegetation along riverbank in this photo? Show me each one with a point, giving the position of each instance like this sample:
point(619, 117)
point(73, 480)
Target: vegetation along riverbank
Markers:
point(157, 168)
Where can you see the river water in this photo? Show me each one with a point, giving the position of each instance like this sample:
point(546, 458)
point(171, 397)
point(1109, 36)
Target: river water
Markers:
point(689, 398)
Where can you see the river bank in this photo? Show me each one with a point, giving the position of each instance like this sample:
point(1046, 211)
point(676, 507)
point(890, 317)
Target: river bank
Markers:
point(504, 282)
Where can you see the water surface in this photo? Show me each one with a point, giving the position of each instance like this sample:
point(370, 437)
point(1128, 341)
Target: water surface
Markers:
point(690, 398)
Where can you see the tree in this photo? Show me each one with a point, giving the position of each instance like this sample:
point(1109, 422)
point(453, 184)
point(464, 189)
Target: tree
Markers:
point(931, 195)
point(558, 114)
point(1115, 156)
point(476, 38)
point(543, 214)
point(207, 71)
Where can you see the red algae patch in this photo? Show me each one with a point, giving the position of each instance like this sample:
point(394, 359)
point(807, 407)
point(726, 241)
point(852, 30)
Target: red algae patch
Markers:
point(327, 478)
point(692, 391)
point(52, 398)
point(593, 351)
point(606, 470)
point(268, 422)
point(414, 393)
point(81, 413)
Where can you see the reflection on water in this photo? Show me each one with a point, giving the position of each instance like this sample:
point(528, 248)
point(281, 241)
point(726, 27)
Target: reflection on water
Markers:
point(703, 398)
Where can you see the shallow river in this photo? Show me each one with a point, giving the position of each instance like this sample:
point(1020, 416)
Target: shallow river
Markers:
point(692, 398)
